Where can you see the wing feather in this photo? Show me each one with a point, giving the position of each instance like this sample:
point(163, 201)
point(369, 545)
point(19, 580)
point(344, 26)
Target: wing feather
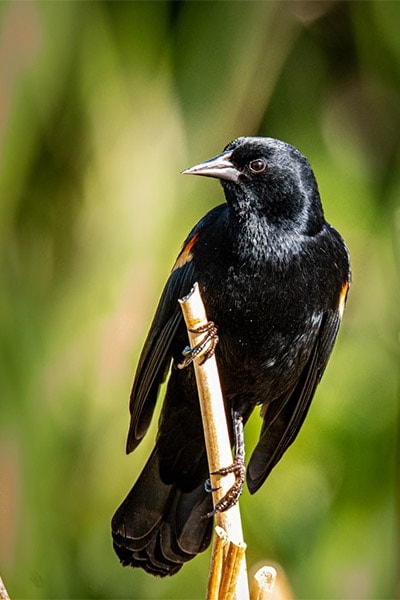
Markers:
point(285, 415)
point(156, 355)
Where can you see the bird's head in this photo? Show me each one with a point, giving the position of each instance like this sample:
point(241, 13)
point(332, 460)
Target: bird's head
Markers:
point(269, 178)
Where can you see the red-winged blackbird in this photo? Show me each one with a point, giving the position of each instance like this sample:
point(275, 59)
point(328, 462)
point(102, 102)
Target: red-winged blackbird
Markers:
point(274, 277)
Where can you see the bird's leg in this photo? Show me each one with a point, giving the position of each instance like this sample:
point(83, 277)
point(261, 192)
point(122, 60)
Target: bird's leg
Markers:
point(237, 467)
point(205, 348)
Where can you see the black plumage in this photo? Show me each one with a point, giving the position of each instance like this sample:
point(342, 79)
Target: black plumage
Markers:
point(274, 277)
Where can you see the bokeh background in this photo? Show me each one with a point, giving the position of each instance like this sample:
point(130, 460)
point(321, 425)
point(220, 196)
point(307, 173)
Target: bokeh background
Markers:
point(102, 104)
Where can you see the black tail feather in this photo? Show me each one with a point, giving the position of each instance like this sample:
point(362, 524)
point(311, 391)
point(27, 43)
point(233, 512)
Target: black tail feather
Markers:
point(159, 526)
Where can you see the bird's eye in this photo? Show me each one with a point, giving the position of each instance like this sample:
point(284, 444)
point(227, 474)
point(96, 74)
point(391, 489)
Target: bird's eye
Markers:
point(258, 165)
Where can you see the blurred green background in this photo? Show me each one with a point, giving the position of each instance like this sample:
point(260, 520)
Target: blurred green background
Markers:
point(102, 104)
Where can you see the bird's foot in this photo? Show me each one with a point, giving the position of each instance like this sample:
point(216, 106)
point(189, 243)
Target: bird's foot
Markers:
point(237, 467)
point(233, 494)
point(206, 348)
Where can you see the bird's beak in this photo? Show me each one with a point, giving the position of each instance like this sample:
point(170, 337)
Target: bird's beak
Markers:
point(220, 167)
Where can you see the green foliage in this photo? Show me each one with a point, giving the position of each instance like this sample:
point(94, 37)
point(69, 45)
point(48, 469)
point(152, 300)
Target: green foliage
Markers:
point(102, 104)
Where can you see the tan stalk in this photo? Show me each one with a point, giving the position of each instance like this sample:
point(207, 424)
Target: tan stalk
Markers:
point(219, 454)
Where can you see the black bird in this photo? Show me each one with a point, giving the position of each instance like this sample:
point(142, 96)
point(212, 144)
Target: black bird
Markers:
point(274, 277)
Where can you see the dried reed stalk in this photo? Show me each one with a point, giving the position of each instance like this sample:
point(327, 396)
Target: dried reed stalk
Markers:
point(228, 568)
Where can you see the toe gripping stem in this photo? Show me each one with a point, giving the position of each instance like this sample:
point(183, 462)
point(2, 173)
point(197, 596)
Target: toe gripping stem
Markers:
point(206, 348)
point(237, 467)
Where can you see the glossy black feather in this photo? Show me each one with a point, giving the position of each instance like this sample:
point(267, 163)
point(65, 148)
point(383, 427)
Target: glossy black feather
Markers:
point(274, 278)
point(284, 417)
point(157, 353)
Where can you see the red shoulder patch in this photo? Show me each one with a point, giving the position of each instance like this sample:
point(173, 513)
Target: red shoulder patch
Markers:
point(186, 255)
point(342, 298)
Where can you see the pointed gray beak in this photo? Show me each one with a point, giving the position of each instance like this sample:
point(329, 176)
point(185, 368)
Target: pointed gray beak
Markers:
point(220, 167)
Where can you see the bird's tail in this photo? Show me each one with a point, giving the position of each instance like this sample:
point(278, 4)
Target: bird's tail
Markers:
point(159, 525)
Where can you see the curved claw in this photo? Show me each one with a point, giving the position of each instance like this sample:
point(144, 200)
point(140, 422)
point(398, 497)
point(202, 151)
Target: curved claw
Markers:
point(208, 487)
point(206, 347)
point(237, 467)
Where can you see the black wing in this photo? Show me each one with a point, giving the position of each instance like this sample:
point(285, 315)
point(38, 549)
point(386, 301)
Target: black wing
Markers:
point(285, 415)
point(156, 355)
